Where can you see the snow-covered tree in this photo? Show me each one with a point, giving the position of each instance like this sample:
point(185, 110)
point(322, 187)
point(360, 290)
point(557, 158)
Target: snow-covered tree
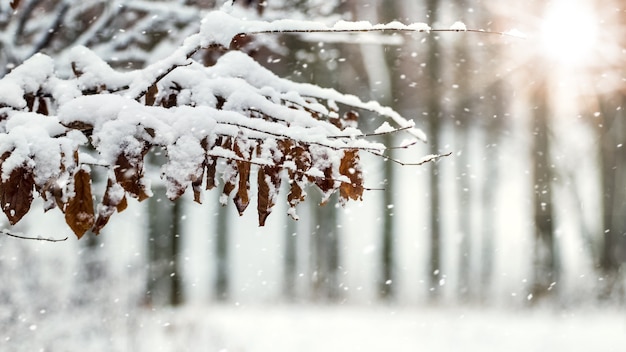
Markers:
point(233, 119)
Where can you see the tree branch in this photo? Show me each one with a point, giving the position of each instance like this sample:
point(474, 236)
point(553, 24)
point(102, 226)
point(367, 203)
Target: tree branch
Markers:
point(38, 238)
point(424, 160)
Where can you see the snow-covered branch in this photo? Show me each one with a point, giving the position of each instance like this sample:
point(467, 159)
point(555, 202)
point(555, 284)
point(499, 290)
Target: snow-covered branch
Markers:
point(227, 120)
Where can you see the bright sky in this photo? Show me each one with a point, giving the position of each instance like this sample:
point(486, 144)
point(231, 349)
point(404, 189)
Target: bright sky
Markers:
point(569, 33)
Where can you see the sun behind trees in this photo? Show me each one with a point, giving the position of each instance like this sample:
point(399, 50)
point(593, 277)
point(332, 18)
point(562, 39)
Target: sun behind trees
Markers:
point(226, 120)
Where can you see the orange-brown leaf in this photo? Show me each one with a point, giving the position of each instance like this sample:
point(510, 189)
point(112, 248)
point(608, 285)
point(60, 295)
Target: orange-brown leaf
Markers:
point(239, 41)
point(268, 179)
point(242, 198)
point(151, 94)
point(229, 176)
point(210, 162)
point(210, 173)
point(326, 183)
point(42, 107)
point(79, 213)
point(349, 167)
point(129, 175)
point(111, 202)
point(296, 193)
point(15, 4)
point(16, 194)
point(30, 101)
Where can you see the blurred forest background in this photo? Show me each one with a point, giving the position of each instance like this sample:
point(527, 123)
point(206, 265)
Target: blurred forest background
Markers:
point(530, 208)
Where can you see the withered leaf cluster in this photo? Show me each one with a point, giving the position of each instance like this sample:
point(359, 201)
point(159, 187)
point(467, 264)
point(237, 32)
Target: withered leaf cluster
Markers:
point(233, 125)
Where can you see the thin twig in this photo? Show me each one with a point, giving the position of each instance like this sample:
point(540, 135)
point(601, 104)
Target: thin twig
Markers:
point(283, 136)
point(369, 30)
point(406, 146)
point(428, 159)
point(374, 134)
point(39, 238)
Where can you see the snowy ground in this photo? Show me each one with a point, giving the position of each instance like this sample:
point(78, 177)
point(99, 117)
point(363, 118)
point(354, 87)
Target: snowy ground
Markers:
point(335, 328)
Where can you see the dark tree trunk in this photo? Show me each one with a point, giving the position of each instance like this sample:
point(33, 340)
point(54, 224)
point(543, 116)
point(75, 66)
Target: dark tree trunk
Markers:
point(434, 110)
point(222, 257)
point(494, 119)
point(290, 262)
point(164, 276)
point(387, 278)
point(612, 137)
point(546, 264)
point(325, 253)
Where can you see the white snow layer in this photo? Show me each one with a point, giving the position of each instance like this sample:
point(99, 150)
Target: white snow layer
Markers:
point(458, 26)
point(231, 98)
point(220, 27)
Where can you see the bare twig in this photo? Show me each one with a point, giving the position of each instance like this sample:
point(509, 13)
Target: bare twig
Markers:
point(369, 30)
point(405, 146)
point(38, 238)
point(372, 134)
point(286, 137)
point(426, 159)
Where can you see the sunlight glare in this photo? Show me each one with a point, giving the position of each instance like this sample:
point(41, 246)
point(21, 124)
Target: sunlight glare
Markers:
point(569, 33)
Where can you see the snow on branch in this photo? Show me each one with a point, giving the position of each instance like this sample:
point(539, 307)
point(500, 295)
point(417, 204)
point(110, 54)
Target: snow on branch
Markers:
point(227, 121)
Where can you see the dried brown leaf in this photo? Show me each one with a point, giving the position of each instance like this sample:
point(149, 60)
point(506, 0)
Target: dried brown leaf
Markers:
point(242, 199)
point(210, 163)
point(325, 183)
point(349, 167)
point(170, 101)
point(30, 101)
point(151, 94)
point(239, 41)
point(111, 202)
point(15, 4)
point(229, 177)
point(79, 212)
point(269, 180)
point(129, 174)
point(210, 173)
point(42, 107)
point(296, 193)
point(16, 194)
point(77, 72)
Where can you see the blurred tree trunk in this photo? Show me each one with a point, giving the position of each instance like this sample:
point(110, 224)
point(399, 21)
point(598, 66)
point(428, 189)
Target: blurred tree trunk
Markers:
point(324, 246)
point(387, 280)
point(222, 258)
point(434, 110)
point(463, 113)
point(546, 264)
point(612, 137)
point(379, 61)
point(290, 261)
point(164, 275)
point(493, 120)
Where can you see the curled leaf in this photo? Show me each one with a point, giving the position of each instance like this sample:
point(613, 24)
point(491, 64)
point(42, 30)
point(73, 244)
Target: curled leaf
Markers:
point(349, 167)
point(129, 174)
point(79, 212)
point(114, 200)
point(151, 94)
point(16, 194)
point(229, 176)
point(242, 199)
point(211, 165)
point(268, 179)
